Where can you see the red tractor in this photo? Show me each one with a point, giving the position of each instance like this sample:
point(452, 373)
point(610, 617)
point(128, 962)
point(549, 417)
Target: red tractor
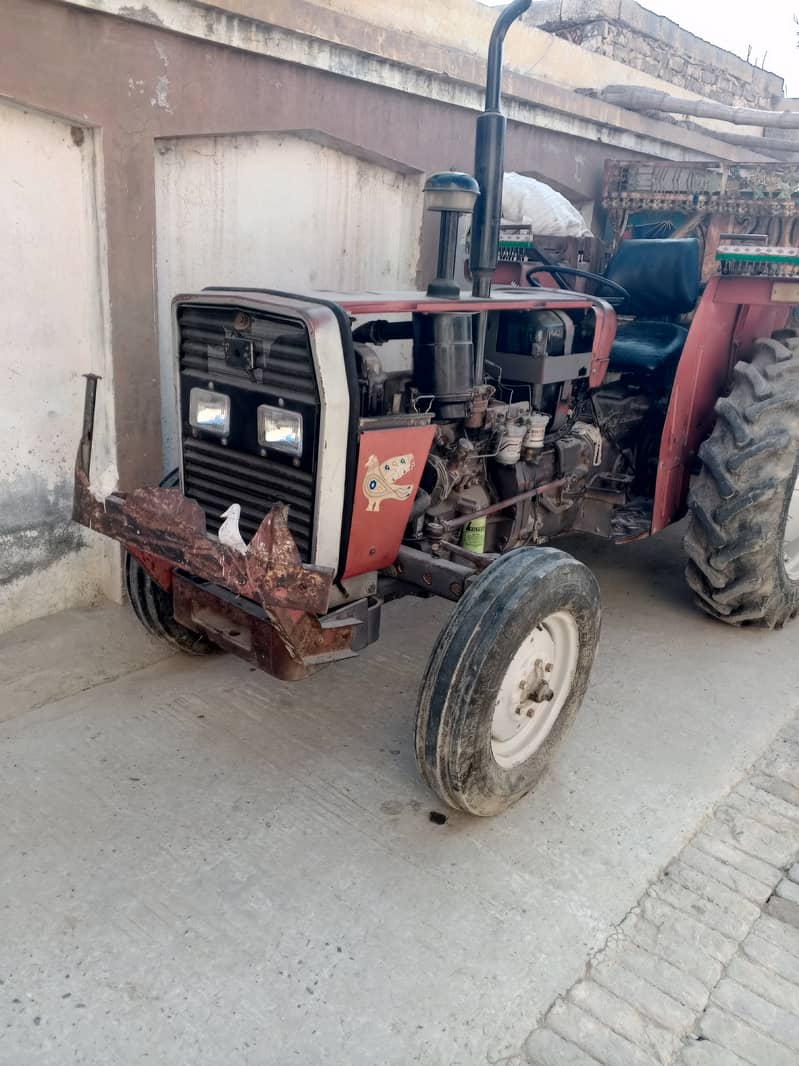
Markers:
point(370, 447)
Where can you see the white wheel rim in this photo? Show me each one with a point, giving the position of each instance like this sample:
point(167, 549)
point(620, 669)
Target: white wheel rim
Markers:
point(790, 540)
point(524, 711)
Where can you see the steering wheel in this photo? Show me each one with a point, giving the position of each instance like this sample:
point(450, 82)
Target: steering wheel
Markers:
point(621, 295)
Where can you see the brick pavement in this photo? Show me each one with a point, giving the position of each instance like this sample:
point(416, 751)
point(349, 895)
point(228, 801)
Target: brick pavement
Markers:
point(704, 971)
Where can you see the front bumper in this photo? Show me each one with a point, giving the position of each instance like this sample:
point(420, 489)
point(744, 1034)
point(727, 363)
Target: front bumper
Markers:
point(263, 605)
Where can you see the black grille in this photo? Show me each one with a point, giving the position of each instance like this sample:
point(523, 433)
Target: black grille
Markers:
point(282, 355)
point(216, 477)
point(253, 359)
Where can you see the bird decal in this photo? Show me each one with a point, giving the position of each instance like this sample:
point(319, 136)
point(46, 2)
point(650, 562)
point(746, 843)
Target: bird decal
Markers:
point(229, 530)
point(379, 482)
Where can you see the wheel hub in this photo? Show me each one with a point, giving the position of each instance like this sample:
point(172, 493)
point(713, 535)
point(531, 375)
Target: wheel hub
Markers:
point(534, 690)
point(542, 693)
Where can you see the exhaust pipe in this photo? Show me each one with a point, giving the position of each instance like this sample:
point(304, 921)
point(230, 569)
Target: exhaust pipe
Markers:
point(489, 160)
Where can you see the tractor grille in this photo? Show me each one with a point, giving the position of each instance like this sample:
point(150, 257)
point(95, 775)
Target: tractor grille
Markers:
point(254, 359)
point(283, 354)
point(216, 477)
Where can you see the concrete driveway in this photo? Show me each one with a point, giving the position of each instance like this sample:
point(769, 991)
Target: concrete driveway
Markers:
point(204, 866)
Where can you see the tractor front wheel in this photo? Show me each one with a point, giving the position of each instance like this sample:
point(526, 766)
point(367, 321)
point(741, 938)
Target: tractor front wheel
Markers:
point(152, 605)
point(743, 538)
point(506, 679)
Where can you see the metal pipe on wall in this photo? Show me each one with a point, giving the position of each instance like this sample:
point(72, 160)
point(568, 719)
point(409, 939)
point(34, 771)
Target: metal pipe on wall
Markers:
point(640, 98)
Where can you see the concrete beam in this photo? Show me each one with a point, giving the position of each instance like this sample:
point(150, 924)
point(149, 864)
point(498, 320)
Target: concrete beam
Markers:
point(303, 33)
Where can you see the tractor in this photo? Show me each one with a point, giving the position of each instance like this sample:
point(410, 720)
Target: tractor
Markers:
point(365, 447)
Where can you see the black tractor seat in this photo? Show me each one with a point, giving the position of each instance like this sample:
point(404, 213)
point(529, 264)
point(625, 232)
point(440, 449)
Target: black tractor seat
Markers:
point(642, 346)
point(662, 278)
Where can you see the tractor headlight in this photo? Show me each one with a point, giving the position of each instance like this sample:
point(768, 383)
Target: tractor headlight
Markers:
point(209, 411)
point(280, 429)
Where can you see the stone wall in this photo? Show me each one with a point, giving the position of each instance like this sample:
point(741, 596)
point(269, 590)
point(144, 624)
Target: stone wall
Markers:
point(627, 32)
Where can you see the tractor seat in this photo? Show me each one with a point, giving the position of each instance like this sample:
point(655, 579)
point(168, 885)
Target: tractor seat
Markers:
point(643, 347)
point(663, 280)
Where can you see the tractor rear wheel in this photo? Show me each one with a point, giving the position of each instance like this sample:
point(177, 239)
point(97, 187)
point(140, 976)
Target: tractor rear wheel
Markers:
point(152, 605)
point(506, 679)
point(743, 538)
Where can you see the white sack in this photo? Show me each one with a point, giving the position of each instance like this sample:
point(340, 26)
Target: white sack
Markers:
point(530, 202)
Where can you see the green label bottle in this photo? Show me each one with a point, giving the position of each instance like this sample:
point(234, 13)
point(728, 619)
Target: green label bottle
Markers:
point(474, 535)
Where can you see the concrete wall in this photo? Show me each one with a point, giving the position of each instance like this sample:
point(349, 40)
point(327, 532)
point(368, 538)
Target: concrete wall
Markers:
point(281, 211)
point(53, 310)
point(448, 39)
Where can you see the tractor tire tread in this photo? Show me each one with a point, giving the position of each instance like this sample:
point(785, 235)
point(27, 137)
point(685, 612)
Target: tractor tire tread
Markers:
point(714, 578)
point(738, 500)
point(456, 695)
point(727, 413)
point(153, 606)
point(777, 442)
point(761, 387)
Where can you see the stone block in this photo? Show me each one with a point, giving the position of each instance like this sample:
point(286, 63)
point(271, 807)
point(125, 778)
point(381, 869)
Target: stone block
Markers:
point(673, 981)
point(620, 1016)
point(752, 1009)
point(765, 983)
point(777, 932)
point(545, 1048)
point(595, 1037)
point(713, 904)
point(706, 1053)
point(781, 762)
point(788, 889)
point(673, 948)
point(751, 836)
point(753, 803)
point(772, 957)
point(775, 786)
point(678, 924)
point(716, 869)
point(650, 1000)
point(741, 1039)
point(717, 840)
point(784, 911)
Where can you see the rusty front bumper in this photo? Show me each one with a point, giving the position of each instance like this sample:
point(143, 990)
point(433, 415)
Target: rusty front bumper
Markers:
point(262, 605)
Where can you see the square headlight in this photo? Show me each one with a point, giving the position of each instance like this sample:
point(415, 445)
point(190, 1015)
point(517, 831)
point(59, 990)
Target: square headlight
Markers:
point(209, 411)
point(280, 429)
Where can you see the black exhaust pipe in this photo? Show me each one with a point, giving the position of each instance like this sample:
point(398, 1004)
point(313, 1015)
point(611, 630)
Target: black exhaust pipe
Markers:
point(489, 160)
